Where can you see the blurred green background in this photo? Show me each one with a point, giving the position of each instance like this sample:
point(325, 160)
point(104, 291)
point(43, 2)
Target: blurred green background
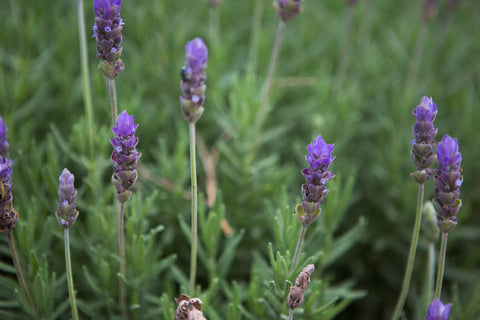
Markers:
point(350, 73)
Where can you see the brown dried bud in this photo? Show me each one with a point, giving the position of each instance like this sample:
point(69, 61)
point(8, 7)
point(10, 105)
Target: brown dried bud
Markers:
point(188, 309)
point(295, 297)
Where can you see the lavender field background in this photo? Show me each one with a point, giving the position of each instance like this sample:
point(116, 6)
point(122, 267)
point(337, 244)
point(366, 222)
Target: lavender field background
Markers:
point(352, 72)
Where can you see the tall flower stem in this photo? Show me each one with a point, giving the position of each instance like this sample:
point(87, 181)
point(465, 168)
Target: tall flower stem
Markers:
point(113, 99)
point(194, 234)
point(18, 270)
point(411, 255)
point(441, 265)
point(68, 265)
point(267, 87)
point(87, 92)
point(296, 255)
point(123, 263)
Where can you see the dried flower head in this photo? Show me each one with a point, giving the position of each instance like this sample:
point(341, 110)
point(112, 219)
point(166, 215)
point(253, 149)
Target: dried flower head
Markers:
point(448, 179)
point(188, 309)
point(8, 215)
point(429, 10)
point(124, 156)
point(67, 212)
point(423, 146)
point(316, 175)
point(193, 80)
point(438, 311)
point(295, 297)
point(107, 31)
point(287, 9)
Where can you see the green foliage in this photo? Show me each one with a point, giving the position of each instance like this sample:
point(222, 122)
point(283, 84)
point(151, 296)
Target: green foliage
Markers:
point(351, 74)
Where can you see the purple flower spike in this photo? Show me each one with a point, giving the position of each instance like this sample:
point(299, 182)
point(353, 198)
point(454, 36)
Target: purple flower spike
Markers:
point(124, 156)
point(3, 140)
point(316, 175)
point(287, 9)
point(423, 146)
point(107, 31)
point(8, 215)
point(67, 212)
point(448, 179)
point(438, 311)
point(193, 80)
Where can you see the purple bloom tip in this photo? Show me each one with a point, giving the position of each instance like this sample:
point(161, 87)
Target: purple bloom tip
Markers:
point(426, 111)
point(3, 140)
point(438, 311)
point(197, 54)
point(447, 153)
point(100, 6)
point(124, 125)
point(320, 154)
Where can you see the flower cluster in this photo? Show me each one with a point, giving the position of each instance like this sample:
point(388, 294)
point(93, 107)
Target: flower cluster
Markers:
point(438, 311)
point(193, 80)
point(295, 297)
point(423, 146)
point(8, 215)
point(124, 156)
point(448, 179)
point(188, 309)
point(316, 175)
point(107, 31)
point(287, 9)
point(67, 208)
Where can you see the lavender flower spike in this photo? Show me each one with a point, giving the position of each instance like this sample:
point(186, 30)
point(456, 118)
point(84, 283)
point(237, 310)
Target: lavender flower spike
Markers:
point(193, 80)
point(107, 31)
point(287, 9)
point(448, 179)
point(317, 175)
point(423, 146)
point(124, 156)
point(67, 212)
point(438, 311)
point(8, 215)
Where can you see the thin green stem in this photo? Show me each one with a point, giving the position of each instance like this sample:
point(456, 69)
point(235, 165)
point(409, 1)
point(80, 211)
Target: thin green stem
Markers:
point(113, 100)
point(411, 256)
point(290, 314)
point(123, 263)
point(267, 87)
point(296, 255)
point(254, 36)
point(441, 265)
point(194, 235)
point(68, 265)
point(18, 270)
point(87, 92)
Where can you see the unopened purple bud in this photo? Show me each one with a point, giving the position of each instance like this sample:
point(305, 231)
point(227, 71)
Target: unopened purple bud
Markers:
point(320, 154)
point(438, 311)
point(8, 215)
point(124, 156)
point(423, 146)
point(287, 9)
point(67, 212)
point(193, 80)
point(107, 31)
point(448, 179)
point(3, 140)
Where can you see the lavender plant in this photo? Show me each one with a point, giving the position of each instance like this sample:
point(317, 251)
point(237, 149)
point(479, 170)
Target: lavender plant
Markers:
point(438, 311)
point(107, 31)
point(314, 191)
point(423, 156)
point(124, 158)
point(8, 215)
point(66, 215)
point(193, 88)
point(448, 179)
